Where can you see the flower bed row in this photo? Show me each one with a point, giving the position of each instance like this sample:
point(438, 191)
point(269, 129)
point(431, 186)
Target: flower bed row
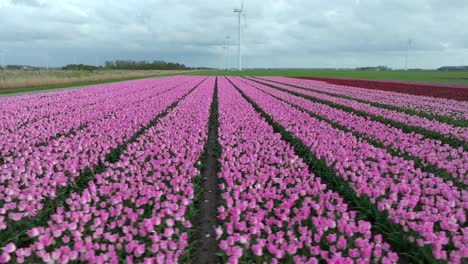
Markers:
point(424, 104)
point(430, 211)
point(25, 109)
point(26, 181)
point(136, 211)
point(460, 133)
point(430, 151)
point(53, 120)
point(274, 210)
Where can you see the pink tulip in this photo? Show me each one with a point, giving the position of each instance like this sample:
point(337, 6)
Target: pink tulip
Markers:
point(111, 216)
point(413, 199)
point(9, 248)
point(264, 189)
point(5, 257)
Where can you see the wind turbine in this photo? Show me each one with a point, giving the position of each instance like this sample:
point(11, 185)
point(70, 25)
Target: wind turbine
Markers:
point(227, 46)
point(3, 59)
point(407, 52)
point(222, 66)
point(46, 57)
point(240, 12)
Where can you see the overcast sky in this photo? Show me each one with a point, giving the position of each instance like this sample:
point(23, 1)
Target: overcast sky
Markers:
point(277, 33)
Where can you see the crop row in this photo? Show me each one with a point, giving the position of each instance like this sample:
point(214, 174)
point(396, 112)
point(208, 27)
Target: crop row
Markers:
point(28, 179)
point(274, 209)
point(448, 130)
point(431, 212)
point(423, 104)
point(46, 122)
point(138, 209)
point(21, 110)
point(430, 151)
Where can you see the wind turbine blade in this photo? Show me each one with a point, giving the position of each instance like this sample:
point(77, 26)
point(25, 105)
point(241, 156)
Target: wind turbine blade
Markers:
point(242, 5)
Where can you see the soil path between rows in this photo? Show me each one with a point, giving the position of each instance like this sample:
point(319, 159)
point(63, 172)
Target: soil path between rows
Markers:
point(209, 197)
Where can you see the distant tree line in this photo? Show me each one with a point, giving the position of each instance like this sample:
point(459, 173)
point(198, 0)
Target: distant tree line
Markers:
point(453, 68)
point(373, 68)
point(79, 67)
point(144, 65)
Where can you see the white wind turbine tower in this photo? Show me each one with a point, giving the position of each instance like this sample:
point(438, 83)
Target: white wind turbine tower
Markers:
point(407, 53)
point(227, 48)
point(222, 66)
point(46, 58)
point(3, 59)
point(239, 12)
point(223, 60)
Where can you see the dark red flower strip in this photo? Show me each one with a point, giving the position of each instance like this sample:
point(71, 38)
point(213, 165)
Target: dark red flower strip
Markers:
point(449, 91)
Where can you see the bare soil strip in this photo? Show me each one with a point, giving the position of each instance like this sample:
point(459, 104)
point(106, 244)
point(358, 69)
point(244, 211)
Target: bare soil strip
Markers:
point(204, 240)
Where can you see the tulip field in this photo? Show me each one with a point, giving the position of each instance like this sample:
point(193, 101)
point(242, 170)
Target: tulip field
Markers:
point(302, 171)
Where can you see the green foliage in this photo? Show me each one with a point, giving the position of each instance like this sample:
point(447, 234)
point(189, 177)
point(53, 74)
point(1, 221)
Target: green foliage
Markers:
point(79, 67)
point(371, 68)
point(144, 65)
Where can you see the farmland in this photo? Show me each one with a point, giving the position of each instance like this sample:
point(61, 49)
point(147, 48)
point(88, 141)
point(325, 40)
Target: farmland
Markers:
point(16, 81)
point(455, 77)
point(234, 169)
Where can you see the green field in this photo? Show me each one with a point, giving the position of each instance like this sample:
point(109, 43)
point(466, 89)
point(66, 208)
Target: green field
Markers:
point(460, 77)
point(19, 81)
point(27, 82)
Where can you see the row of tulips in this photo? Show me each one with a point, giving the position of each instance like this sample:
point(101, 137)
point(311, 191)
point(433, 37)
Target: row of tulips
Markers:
point(18, 111)
point(430, 151)
point(429, 210)
point(431, 105)
point(274, 210)
point(135, 211)
point(448, 130)
point(27, 180)
point(64, 118)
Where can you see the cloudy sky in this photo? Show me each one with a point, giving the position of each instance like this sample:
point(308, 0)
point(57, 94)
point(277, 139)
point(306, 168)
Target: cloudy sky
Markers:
point(277, 33)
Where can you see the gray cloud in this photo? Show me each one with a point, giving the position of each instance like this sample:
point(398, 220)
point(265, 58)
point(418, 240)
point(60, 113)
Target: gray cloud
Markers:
point(277, 33)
